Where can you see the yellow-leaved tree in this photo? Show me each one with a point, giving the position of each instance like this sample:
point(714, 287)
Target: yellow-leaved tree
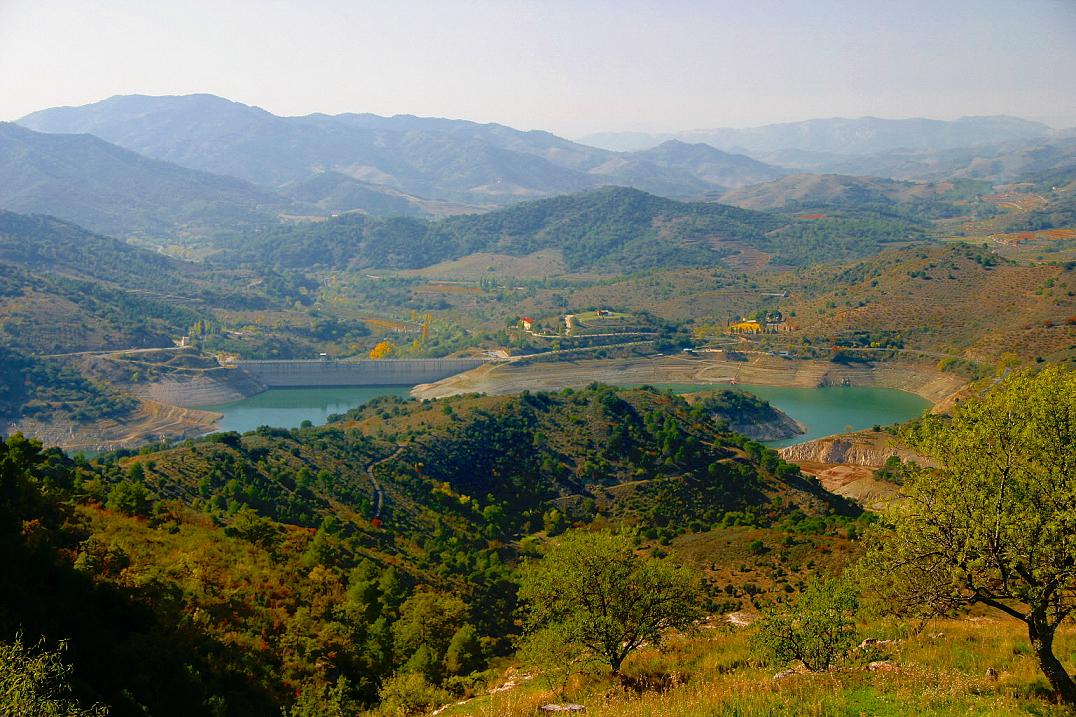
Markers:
point(383, 349)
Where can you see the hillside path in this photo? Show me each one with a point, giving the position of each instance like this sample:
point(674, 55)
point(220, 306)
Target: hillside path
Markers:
point(379, 495)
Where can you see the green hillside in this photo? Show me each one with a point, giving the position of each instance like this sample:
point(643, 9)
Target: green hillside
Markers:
point(283, 563)
point(614, 229)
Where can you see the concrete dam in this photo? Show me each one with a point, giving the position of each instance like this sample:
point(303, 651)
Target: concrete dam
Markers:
point(384, 372)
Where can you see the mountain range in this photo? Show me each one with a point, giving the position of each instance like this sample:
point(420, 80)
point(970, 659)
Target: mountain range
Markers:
point(429, 157)
point(841, 135)
point(197, 166)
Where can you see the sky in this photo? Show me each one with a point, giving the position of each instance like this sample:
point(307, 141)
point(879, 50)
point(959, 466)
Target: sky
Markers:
point(569, 67)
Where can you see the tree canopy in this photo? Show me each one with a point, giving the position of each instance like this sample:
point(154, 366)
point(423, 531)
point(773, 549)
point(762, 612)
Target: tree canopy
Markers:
point(593, 591)
point(995, 523)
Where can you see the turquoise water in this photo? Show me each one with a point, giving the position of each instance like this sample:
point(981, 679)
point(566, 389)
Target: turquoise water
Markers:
point(830, 409)
point(289, 407)
point(823, 411)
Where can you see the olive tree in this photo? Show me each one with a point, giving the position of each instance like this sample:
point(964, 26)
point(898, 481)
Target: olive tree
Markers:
point(592, 591)
point(995, 522)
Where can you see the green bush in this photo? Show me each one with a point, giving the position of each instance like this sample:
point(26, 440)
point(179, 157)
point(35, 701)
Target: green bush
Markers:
point(817, 629)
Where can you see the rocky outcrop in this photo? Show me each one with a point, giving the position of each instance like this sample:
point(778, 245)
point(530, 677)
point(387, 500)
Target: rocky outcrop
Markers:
point(857, 449)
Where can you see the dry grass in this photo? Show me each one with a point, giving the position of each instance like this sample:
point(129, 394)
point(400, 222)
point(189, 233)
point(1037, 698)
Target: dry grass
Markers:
point(939, 670)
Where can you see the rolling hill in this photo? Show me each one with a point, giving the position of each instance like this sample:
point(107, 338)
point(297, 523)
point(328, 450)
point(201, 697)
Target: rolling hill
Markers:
point(66, 289)
point(614, 230)
point(611, 226)
point(954, 300)
point(115, 191)
point(820, 190)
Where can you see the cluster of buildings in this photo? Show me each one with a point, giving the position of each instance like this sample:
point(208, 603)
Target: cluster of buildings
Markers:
point(773, 322)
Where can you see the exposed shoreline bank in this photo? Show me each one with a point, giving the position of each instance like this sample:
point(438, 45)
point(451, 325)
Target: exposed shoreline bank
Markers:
point(920, 379)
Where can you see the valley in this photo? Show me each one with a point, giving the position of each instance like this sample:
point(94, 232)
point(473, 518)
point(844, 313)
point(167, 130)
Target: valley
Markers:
point(308, 398)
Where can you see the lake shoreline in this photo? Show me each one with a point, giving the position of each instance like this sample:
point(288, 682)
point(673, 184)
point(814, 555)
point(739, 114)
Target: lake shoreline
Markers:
point(923, 380)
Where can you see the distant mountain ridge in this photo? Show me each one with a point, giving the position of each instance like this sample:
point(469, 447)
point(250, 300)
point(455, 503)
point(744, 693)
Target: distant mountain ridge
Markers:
point(454, 160)
point(999, 149)
point(806, 190)
point(841, 135)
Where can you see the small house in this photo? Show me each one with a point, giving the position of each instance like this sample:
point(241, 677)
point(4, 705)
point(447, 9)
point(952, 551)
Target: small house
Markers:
point(528, 323)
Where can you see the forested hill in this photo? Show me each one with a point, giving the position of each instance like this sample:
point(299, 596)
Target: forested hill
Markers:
point(65, 289)
point(44, 243)
point(280, 564)
point(612, 229)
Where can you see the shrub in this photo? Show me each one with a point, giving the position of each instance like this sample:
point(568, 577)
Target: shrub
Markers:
point(409, 694)
point(817, 629)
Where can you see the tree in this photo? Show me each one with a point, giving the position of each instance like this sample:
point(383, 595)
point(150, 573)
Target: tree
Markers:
point(995, 523)
point(382, 350)
point(131, 498)
point(34, 683)
point(408, 693)
point(592, 590)
point(324, 700)
point(427, 623)
point(464, 653)
point(816, 629)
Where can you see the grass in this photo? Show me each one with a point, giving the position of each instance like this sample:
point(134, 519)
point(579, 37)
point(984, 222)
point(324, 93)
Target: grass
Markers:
point(941, 669)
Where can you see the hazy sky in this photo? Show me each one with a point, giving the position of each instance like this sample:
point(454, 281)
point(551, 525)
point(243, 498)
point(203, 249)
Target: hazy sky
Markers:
point(570, 67)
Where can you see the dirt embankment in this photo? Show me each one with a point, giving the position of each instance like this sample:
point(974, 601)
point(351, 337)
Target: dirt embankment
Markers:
point(207, 389)
point(845, 464)
point(771, 428)
point(185, 379)
point(858, 449)
point(921, 379)
point(151, 421)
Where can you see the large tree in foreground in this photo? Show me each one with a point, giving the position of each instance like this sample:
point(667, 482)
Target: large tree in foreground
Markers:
point(592, 593)
point(995, 523)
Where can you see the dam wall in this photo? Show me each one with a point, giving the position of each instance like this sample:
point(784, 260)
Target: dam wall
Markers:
point(385, 372)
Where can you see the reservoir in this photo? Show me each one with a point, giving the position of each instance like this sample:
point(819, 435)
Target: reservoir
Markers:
point(823, 411)
point(289, 407)
point(829, 409)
